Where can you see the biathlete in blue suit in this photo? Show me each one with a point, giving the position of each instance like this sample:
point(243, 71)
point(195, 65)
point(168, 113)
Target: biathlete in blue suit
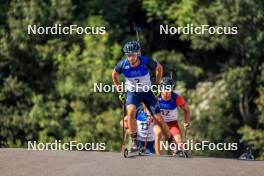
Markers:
point(145, 129)
point(135, 69)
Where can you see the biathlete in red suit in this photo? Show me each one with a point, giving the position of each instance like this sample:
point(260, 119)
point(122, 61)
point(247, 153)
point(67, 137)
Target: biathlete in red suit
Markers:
point(169, 103)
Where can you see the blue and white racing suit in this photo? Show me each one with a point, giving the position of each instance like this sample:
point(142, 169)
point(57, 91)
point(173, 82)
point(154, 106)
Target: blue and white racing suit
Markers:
point(137, 80)
point(145, 132)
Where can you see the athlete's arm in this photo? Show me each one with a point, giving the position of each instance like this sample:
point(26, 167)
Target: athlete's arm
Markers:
point(186, 113)
point(115, 75)
point(116, 81)
point(159, 72)
point(158, 68)
point(181, 103)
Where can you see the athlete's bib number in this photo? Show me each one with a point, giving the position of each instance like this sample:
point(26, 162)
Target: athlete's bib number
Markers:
point(144, 126)
point(165, 112)
point(137, 80)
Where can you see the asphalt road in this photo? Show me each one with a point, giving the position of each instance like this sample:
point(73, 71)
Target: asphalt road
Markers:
point(21, 162)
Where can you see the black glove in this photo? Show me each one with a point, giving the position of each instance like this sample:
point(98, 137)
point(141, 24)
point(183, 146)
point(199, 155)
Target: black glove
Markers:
point(122, 96)
point(155, 90)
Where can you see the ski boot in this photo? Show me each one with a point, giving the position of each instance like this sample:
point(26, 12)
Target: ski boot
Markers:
point(134, 150)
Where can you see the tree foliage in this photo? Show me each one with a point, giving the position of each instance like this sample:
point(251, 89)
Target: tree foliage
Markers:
point(47, 81)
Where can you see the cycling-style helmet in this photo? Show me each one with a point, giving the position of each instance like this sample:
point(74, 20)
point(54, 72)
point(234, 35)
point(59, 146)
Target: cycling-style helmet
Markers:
point(167, 83)
point(131, 47)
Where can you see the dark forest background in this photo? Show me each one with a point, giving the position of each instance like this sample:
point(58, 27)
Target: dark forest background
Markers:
point(46, 81)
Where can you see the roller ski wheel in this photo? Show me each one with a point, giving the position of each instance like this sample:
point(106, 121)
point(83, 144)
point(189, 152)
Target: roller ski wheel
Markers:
point(181, 154)
point(128, 153)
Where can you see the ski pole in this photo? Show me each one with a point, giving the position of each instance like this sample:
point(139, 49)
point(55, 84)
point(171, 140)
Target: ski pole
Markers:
point(137, 29)
point(124, 140)
point(185, 135)
point(172, 70)
point(146, 140)
point(124, 133)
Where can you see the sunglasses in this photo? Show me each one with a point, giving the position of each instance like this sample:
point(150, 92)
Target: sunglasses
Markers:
point(132, 54)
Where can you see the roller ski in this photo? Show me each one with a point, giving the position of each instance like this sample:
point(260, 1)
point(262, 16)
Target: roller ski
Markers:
point(133, 151)
point(128, 153)
point(181, 154)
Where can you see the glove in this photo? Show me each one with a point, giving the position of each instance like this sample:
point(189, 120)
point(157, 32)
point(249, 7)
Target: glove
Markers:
point(186, 125)
point(155, 90)
point(122, 96)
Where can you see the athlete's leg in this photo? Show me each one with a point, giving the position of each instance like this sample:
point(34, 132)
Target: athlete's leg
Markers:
point(162, 124)
point(158, 139)
point(125, 123)
point(131, 116)
point(178, 140)
point(176, 133)
point(180, 150)
point(131, 105)
point(152, 104)
point(150, 147)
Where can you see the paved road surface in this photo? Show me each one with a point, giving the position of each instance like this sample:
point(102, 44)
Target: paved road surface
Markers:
point(21, 162)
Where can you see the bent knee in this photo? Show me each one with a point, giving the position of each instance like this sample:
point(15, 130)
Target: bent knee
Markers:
point(159, 119)
point(131, 111)
point(131, 116)
point(157, 130)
